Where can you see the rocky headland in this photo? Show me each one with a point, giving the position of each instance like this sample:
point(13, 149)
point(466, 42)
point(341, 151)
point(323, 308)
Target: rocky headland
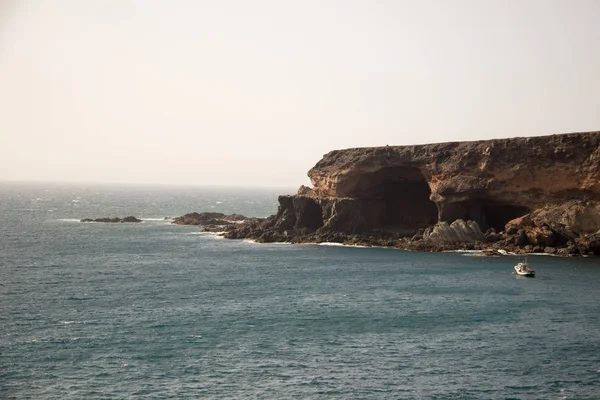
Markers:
point(524, 195)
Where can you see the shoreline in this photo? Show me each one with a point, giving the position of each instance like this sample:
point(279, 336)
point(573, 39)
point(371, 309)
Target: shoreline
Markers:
point(511, 242)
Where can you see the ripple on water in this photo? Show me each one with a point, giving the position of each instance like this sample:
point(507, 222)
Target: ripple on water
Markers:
point(97, 312)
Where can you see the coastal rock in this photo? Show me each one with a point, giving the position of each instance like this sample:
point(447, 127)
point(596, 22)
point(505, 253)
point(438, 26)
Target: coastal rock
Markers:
point(208, 218)
point(527, 194)
point(589, 244)
point(458, 232)
point(112, 220)
point(573, 224)
point(490, 182)
point(304, 191)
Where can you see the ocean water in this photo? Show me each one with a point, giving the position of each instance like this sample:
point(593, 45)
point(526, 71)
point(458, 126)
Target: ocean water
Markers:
point(157, 311)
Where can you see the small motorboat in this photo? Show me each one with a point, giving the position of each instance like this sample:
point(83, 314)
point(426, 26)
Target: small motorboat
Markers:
point(522, 269)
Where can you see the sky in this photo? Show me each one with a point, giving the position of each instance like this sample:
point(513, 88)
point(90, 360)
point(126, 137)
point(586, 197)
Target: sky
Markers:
point(253, 93)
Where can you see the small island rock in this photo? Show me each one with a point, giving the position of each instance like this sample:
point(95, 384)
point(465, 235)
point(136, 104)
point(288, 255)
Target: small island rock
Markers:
point(112, 220)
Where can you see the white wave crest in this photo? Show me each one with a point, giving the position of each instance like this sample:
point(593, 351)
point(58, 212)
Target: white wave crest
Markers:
point(209, 234)
point(252, 241)
point(462, 251)
point(539, 254)
point(335, 244)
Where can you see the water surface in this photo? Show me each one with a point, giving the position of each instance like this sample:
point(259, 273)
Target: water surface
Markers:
point(153, 310)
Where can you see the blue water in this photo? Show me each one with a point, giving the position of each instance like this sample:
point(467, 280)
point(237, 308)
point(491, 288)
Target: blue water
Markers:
point(152, 310)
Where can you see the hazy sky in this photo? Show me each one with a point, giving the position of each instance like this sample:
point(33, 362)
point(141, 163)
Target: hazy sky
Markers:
point(254, 92)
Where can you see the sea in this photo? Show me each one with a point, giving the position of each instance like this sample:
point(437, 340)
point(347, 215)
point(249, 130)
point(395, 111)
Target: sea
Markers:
point(159, 311)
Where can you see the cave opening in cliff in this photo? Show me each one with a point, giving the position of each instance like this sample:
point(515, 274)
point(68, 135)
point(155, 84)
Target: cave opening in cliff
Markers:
point(487, 214)
point(312, 217)
point(397, 200)
point(497, 215)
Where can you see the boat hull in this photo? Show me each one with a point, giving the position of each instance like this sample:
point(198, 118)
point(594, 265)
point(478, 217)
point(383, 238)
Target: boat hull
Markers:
point(527, 275)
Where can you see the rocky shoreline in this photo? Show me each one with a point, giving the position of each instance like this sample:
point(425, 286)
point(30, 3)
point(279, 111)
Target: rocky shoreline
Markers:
point(520, 195)
point(532, 233)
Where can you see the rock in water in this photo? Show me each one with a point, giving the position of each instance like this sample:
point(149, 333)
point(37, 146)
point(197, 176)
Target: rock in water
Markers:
point(113, 220)
point(208, 218)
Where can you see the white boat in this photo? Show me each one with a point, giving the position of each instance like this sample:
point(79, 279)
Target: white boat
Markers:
point(522, 269)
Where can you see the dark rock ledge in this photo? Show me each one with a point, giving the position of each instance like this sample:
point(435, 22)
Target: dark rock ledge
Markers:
point(208, 218)
point(112, 220)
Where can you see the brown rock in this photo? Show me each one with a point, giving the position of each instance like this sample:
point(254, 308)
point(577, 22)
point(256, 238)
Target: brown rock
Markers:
point(490, 182)
point(528, 194)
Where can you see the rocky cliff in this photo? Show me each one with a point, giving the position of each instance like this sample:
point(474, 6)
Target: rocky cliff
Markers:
point(519, 191)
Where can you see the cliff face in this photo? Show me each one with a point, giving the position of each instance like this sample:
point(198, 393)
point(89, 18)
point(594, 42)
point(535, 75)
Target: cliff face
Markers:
point(403, 190)
point(490, 181)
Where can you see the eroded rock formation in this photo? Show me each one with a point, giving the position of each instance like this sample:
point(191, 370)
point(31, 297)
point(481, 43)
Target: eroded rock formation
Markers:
point(490, 181)
point(542, 192)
